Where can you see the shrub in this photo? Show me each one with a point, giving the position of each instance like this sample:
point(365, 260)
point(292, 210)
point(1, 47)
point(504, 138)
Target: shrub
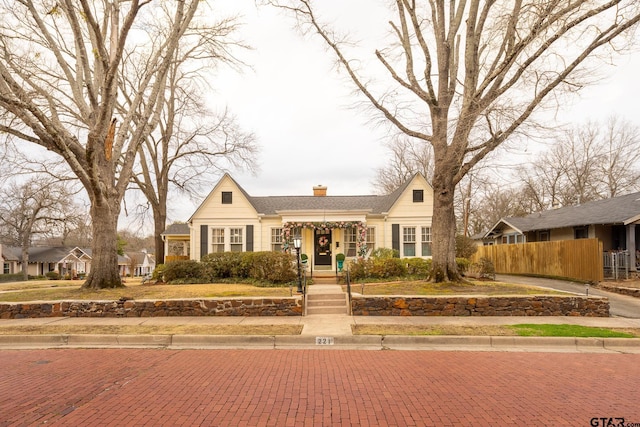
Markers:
point(385, 253)
point(340, 257)
point(465, 246)
point(158, 273)
point(463, 265)
point(53, 275)
point(223, 265)
point(183, 269)
point(381, 268)
point(16, 277)
point(358, 268)
point(275, 267)
point(418, 267)
point(484, 268)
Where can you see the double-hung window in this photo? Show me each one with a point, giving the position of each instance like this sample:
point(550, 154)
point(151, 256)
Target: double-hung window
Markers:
point(370, 239)
point(276, 239)
point(409, 241)
point(235, 239)
point(426, 241)
point(350, 241)
point(217, 240)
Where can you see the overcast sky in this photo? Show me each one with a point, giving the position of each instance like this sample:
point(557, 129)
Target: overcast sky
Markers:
point(302, 110)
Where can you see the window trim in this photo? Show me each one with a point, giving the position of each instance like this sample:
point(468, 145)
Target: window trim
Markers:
point(418, 196)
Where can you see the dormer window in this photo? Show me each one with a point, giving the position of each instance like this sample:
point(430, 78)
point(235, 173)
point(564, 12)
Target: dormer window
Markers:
point(227, 197)
point(418, 196)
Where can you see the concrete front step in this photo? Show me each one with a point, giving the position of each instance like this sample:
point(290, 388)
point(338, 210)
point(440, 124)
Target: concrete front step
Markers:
point(316, 297)
point(324, 281)
point(326, 299)
point(327, 303)
point(326, 310)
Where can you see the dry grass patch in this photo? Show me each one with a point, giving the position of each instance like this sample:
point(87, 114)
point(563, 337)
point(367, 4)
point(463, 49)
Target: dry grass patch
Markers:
point(159, 292)
point(421, 287)
point(152, 330)
point(431, 330)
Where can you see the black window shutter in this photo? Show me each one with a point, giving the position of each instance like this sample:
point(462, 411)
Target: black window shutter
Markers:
point(395, 237)
point(249, 238)
point(203, 240)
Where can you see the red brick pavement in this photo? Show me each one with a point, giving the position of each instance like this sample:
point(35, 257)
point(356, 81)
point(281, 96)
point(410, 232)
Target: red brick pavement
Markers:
point(129, 387)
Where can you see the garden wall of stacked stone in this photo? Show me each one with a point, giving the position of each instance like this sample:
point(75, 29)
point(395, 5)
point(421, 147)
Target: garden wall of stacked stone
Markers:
point(147, 308)
point(632, 292)
point(534, 305)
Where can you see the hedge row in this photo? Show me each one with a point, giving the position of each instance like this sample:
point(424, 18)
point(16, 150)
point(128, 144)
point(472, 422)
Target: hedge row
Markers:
point(385, 267)
point(272, 267)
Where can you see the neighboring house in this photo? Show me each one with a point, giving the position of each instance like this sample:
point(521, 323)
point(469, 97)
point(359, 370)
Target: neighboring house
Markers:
point(176, 238)
point(43, 259)
point(142, 263)
point(66, 260)
point(229, 219)
point(615, 222)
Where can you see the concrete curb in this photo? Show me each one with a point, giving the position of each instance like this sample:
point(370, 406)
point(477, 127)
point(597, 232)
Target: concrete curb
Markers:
point(357, 342)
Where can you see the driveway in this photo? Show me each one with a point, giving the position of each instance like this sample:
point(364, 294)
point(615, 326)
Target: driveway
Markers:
point(620, 305)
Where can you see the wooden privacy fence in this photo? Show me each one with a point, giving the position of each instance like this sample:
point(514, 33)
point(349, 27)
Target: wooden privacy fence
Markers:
point(574, 259)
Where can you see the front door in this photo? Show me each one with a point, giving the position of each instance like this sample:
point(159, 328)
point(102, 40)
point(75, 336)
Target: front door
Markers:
point(322, 247)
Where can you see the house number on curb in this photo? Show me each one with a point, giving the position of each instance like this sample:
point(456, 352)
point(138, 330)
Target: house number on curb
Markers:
point(324, 340)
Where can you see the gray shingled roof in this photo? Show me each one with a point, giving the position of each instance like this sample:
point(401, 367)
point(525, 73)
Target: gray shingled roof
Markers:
point(46, 254)
point(617, 210)
point(176, 229)
point(270, 205)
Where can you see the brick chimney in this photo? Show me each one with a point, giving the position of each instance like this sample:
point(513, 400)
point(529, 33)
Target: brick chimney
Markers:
point(319, 190)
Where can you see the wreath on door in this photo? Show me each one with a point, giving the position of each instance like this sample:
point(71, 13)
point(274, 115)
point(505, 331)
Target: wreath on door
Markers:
point(323, 242)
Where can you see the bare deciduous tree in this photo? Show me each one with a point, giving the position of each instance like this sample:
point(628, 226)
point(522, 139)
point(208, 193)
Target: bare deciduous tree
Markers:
point(31, 209)
point(190, 144)
point(620, 158)
point(60, 67)
point(464, 76)
point(407, 158)
point(588, 162)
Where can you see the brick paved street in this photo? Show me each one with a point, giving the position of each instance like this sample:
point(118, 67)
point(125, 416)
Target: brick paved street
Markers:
point(314, 387)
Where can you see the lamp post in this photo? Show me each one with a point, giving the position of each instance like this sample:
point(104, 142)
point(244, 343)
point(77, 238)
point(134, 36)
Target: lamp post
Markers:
point(297, 242)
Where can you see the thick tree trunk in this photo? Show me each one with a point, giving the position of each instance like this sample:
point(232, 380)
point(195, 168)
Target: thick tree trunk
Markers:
point(159, 221)
point(444, 267)
point(104, 256)
point(25, 260)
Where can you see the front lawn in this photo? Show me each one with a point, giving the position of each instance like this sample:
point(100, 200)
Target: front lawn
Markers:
point(56, 290)
point(421, 287)
point(137, 291)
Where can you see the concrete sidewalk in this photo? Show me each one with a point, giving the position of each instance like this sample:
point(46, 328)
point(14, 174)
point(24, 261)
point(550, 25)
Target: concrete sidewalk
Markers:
point(326, 332)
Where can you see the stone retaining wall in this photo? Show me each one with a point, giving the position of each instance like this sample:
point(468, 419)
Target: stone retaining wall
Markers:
point(147, 308)
point(632, 292)
point(535, 305)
